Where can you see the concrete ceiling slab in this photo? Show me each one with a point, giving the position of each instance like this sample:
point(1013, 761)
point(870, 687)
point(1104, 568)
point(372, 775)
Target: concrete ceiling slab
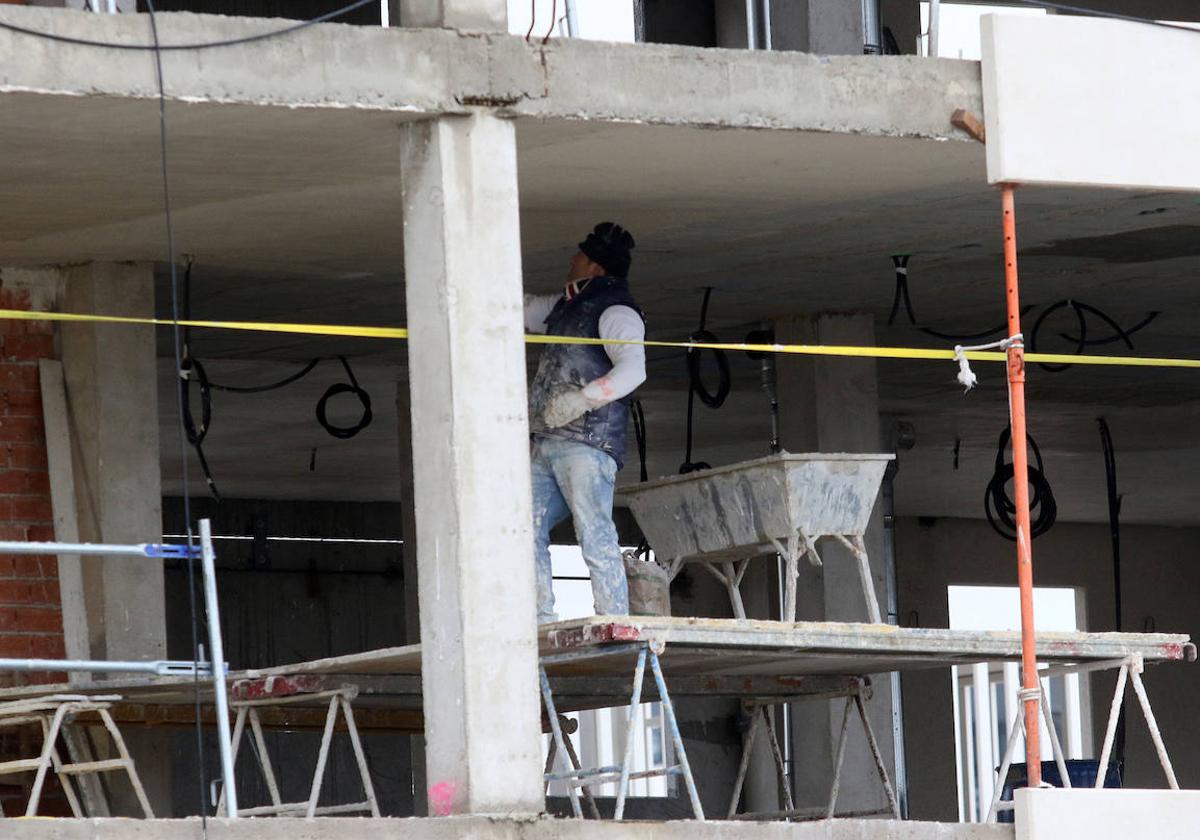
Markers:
point(291, 210)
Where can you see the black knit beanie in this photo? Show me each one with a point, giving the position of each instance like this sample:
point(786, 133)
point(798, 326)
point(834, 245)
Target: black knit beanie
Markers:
point(609, 245)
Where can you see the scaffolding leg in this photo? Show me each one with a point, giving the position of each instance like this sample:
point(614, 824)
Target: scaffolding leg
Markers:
point(729, 578)
point(1155, 735)
point(744, 765)
point(63, 779)
point(239, 727)
point(791, 578)
point(1110, 733)
point(893, 803)
point(785, 789)
point(39, 780)
point(91, 789)
point(1055, 745)
point(864, 574)
point(588, 799)
point(1017, 728)
point(556, 731)
point(360, 758)
point(322, 756)
point(639, 673)
point(839, 759)
point(264, 759)
point(676, 737)
point(127, 759)
point(732, 581)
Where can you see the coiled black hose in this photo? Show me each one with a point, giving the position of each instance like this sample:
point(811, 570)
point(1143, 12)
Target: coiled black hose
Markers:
point(1001, 510)
point(696, 386)
point(191, 370)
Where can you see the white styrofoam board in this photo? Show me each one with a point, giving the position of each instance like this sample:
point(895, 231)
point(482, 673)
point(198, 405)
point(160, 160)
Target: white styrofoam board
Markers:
point(1089, 102)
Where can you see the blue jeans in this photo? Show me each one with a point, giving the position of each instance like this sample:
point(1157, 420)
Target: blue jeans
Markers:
point(577, 479)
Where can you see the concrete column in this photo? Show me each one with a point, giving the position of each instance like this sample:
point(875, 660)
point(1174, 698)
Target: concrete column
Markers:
point(823, 27)
point(476, 15)
point(412, 601)
point(832, 405)
point(111, 381)
point(470, 434)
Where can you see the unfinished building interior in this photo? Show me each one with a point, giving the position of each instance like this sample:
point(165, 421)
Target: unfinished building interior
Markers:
point(797, 175)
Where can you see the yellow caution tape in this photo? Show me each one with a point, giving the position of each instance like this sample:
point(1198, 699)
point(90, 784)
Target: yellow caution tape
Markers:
point(795, 349)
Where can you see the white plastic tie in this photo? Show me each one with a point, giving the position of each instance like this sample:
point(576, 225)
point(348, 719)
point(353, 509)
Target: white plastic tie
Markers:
point(966, 377)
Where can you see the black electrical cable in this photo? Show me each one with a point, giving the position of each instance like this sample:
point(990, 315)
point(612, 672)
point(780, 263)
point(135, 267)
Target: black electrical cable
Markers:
point(1114, 530)
point(272, 386)
point(1120, 334)
point(712, 399)
point(1082, 341)
point(180, 389)
point(902, 295)
point(696, 386)
point(351, 387)
point(200, 45)
point(1000, 509)
point(638, 413)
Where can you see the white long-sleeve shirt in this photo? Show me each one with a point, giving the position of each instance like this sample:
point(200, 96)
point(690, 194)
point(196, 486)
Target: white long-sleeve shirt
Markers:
point(617, 322)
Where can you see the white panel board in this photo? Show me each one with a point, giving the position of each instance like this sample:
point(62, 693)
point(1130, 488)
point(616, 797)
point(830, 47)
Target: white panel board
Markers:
point(1056, 814)
point(1072, 100)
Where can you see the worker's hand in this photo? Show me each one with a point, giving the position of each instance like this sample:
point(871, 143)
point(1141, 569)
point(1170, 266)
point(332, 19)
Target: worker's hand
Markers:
point(566, 407)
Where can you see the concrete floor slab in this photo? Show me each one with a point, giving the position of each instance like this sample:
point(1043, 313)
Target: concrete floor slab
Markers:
point(495, 828)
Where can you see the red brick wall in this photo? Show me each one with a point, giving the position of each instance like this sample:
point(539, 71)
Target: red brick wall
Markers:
point(30, 610)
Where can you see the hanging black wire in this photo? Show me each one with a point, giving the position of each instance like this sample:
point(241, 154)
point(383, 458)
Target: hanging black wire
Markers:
point(1114, 531)
point(1001, 510)
point(1082, 341)
point(1081, 310)
point(638, 413)
point(902, 296)
point(696, 386)
point(180, 403)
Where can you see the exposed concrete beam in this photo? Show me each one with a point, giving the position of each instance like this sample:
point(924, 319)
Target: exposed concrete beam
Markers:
point(412, 73)
point(470, 431)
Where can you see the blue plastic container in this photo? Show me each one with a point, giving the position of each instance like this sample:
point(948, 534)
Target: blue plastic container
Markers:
point(1082, 773)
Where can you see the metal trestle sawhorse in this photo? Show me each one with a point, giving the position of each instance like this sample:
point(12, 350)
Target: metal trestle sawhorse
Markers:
point(576, 777)
point(58, 714)
point(1131, 669)
point(251, 695)
point(856, 691)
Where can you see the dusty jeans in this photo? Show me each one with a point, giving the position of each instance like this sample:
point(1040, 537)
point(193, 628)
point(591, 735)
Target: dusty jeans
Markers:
point(577, 479)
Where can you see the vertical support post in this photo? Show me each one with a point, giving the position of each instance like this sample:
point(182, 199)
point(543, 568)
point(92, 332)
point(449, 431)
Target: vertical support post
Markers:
point(471, 474)
point(217, 654)
point(1016, 402)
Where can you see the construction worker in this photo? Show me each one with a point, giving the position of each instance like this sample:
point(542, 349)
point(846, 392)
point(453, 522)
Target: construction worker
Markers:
point(579, 412)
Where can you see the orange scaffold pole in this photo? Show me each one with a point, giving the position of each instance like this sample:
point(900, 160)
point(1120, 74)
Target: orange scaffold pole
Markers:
point(1016, 400)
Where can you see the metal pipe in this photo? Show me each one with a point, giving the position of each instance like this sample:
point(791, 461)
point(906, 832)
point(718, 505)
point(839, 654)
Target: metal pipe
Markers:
point(888, 500)
point(1020, 456)
point(572, 19)
point(872, 34)
point(935, 11)
point(384, 14)
point(160, 668)
point(751, 24)
point(154, 551)
point(217, 652)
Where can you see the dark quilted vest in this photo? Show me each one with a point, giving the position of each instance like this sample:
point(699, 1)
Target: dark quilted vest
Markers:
point(565, 366)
